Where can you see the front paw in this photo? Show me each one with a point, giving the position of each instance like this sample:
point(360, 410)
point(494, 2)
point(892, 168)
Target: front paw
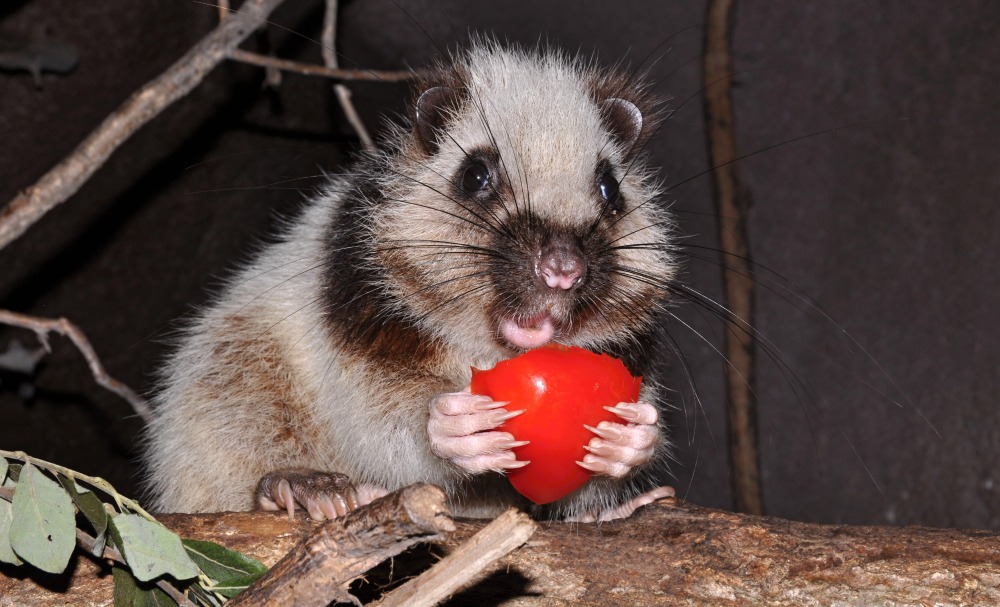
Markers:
point(618, 448)
point(461, 429)
point(324, 495)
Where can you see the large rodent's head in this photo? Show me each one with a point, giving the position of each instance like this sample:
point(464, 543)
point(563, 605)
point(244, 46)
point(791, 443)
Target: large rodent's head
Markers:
point(518, 210)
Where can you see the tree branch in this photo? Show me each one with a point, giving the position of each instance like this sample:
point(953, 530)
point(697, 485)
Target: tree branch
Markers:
point(731, 202)
point(308, 69)
point(669, 553)
point(329, 46)
point(63, 180)
point(43, 326)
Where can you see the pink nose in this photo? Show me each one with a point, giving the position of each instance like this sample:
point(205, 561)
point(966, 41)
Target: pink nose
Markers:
point(561, 266)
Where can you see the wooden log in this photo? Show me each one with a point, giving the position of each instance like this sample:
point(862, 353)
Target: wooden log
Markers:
point(337, 551)
point(668, 553)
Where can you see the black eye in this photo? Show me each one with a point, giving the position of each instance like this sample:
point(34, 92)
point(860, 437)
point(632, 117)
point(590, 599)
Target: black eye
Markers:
point(607, 185)
point(476, 178)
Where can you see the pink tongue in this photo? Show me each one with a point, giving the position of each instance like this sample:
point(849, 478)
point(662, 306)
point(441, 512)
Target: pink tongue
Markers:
point(528, 337)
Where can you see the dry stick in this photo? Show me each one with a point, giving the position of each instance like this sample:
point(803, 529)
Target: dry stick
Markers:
point(731, 201)
point(337, 551)
point(272, 75)
point(86, 541)
point(43, 326)
point(63, 180)
point(343, 93)
point(308, 69)
point(506, 533)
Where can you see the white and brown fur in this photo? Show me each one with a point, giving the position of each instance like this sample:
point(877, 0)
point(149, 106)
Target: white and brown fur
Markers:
point(324, 353)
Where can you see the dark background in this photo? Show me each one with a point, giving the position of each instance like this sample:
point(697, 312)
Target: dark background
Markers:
point(888, 224)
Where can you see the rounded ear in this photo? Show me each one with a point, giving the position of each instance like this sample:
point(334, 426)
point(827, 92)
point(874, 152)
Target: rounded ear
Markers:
point(433, 109)
point(624, 120)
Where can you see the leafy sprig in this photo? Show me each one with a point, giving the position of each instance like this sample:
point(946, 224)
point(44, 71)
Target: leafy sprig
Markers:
point(47, 510)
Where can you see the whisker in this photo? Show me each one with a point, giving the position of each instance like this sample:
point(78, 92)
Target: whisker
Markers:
point(499, 224)
point(781, 288)
point(768, 148)
point(283, 319)
point(481, 225)
point(283, 282)
point(456, 247)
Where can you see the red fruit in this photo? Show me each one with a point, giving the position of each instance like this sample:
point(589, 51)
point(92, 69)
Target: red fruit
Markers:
point(561, 388)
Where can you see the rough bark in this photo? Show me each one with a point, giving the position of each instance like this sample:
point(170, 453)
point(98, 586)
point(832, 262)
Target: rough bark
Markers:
point(670, 553)
point(337, 551)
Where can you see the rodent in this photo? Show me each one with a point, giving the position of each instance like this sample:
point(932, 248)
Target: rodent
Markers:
point(514, 209)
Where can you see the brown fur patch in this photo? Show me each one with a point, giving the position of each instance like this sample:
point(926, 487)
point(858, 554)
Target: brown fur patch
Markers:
point(250, 367)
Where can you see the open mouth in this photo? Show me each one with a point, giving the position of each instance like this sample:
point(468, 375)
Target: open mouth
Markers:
point(529, 332)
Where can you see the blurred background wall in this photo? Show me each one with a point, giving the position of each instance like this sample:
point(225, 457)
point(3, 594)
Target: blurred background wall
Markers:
point(878, 240)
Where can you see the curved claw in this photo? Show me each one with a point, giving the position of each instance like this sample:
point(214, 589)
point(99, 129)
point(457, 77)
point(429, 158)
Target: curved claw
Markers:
point(324, 495)
point(462, 428)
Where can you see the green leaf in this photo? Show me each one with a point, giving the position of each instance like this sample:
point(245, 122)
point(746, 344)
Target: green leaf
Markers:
point(43, 531)
point(235, 586)
point(3, 469)
point(221, 563)
point(150, 549)
point(125, 589)
point(232, 571)
point(93, 509)
point(128, 592)
point(6, 517)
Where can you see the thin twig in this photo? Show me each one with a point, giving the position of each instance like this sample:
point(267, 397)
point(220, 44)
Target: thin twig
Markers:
point(63, 180)
point(43, 326)
point(308, 69)
point(506, 533)
point(329, 47)
point(731, 202)
point(87, 542)
point(223, 9)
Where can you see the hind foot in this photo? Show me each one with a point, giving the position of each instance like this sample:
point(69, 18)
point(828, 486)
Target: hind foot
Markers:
point(324, 495)
point(625, 509)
